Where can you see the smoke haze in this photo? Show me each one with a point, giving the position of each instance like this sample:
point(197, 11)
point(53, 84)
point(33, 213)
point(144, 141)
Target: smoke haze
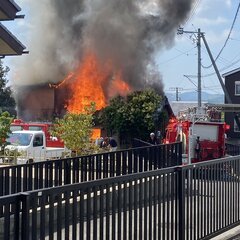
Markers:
point(127, 32)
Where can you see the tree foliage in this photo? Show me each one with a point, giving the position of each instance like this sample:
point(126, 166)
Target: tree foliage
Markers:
point(7, 102)
point(133, 116)
point(75, 130)
point(5, 123)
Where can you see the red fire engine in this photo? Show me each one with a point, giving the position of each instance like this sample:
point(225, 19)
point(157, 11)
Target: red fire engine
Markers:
point(211, 133)
point(18, 124)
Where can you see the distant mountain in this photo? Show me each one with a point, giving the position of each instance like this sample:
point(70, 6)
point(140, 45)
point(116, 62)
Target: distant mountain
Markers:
point(193, 96)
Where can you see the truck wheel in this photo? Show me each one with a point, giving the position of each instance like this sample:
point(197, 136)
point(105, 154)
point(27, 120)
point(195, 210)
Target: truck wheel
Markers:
point(30, 160)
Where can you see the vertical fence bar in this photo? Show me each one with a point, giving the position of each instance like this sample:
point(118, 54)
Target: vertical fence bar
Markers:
point(135, 158)
point(59, 216)
point(164, 206)
point(172, 207)
point(114, 206)
point(160, 195)
point(88, 214)
point(112, 164)
point(181, 197)
point(105, 165)
point(130, 204)
point(118, 163)
point(67, 214)
point(42, 216)
point(51, 217)
point(145, 212)
point(168, 192)
point(19, 179)
point(150, 203)
point(25, 215)
point(130, 161)
point(140, 207)
point(107, 206)
point(7, 221)
point(2, 182)
point(6, 181)
point(124, 163)
point(95, 214)
point(155, 192)
point(119, 230)
point(101, 213)
point(136, 203)
point(81, 216)
point(98, 166)
point(74, 215)
point(125, 220)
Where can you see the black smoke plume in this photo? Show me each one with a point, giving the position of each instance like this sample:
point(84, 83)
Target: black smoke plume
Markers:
point(128, 32)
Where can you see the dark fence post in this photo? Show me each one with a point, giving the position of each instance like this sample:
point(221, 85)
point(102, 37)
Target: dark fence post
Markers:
point(25, 199)
point(181, 202)
point(179, 155)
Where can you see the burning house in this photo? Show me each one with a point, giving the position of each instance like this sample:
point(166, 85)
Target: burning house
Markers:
point(93, 51)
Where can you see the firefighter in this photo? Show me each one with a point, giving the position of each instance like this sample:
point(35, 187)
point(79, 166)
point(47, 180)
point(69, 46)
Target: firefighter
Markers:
point(198, 148)
point(153, 139)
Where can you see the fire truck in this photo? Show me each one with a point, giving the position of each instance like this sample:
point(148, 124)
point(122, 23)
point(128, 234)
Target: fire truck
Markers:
point(18, 125)
point(202, 135)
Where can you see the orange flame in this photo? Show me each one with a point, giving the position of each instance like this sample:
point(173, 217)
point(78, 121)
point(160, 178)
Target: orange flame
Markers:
point(94, 82)
point(118, 87)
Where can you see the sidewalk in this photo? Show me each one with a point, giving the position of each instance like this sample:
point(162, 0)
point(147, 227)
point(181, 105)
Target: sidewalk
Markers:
point(233, 234)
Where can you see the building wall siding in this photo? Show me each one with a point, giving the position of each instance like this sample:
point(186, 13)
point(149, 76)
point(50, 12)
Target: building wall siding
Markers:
point(229, 117)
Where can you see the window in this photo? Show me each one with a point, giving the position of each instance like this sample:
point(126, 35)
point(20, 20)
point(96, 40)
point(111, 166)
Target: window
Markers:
point(16, 128)
point(236, 129)
point(237, 88)
point(38, 141)
point(35, 128)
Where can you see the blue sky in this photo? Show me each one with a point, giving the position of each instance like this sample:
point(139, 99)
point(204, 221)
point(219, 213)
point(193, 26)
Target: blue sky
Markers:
point(214, 17)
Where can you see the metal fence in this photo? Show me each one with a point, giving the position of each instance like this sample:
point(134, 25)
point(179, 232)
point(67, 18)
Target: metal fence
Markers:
point(21, 178)
point(140, 143)
point(210, 200)
point(232, 149)
point(198, 201)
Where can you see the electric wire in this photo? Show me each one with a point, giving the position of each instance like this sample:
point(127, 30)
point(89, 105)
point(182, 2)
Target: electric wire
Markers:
point(193, 11)
point(228, 37)
point(213, 73)
point(175, 57)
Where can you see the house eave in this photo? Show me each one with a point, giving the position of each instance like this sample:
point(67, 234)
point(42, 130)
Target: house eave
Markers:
point(9, 44)
point(8, 10)
point(231, 72)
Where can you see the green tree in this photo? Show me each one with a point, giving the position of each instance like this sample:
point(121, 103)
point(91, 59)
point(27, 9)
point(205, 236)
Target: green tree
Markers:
point(133, 116)
point(5, 122)
point(7, 102)
point(76, 130)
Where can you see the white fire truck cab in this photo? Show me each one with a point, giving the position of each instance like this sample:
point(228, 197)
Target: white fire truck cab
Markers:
point(30, 146)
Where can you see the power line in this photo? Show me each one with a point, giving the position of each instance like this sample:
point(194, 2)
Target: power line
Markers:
point(213, 73)
point(179, 55)
point(228, 37)
point(193, 11)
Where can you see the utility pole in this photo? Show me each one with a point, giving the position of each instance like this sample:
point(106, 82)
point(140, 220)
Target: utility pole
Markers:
point(199, 69)
point(177, 92)
point(227, 96)
point(199, 87)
